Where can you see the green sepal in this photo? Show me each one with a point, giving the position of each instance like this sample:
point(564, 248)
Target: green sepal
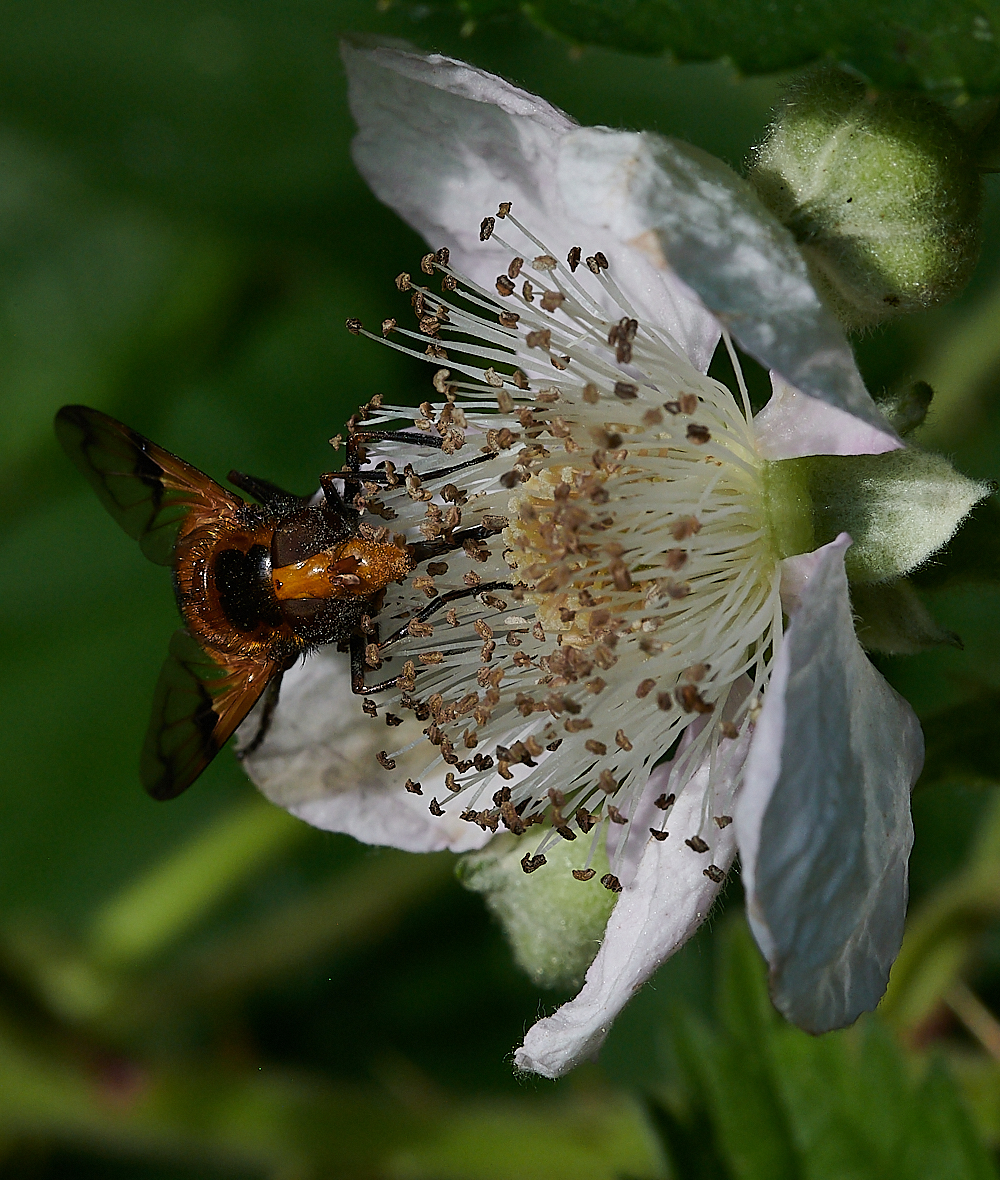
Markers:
point(553, 922)
point(891, 618)
point(899, 508)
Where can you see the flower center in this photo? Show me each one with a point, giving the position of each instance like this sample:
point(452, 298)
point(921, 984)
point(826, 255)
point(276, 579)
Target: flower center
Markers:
point(630, 527)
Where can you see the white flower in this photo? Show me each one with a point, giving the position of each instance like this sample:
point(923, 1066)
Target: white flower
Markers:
point(627, 592)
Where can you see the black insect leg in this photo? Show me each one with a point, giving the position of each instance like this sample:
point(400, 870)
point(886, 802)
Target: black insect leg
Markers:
point(354, 473)
point(358, 644)
point(441, 546)
point(271, 694)
point(267, 494)
point(443, 600)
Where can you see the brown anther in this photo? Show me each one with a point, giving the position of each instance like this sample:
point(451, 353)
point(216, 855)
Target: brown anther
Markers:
point(435, 808)
point(615, 815)
point(413, 788)
point(515, 268)
point(545, 262)
point(595, 747)
point(503, 209)
point(696, 844)
point(486, 228)
point(540, 338)
point(688, 403)
point(626, 391)
point(686, 527)
point(372, 655)
point(610, 881)
point(714, 873)
point(691, 700)
point(436, 352)
point(552, 300)
point(675, 558)
point(619, 574)
point(520, 379)
point(575, 724)
point(699, 435)
point(723, 820)
point(652, 418)
point(729, 730)
point(431, 657)
point(427, 264)
point(591, 394)
point(492, 377)
point(597, 262)
point(584, 874)
point(585, 819)
point(483, 629)
point(696, 672)
point(383, 759)
point(388, 326)
point(596, 685)
point(508, 319)
point(504, 286)
point(644, 688)
point(573, 258)
point(657, 834)
point(369, 707)
point(559, 362)
point(530, 863)
point(606, 781)
point(403, 281)
point(622, 741)
point(449, 283)
point(665, 802)
point(392, 720)
point(354, 327)
point(664, 701)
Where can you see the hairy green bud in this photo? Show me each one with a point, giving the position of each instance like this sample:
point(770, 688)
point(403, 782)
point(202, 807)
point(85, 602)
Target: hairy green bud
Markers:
point(880, 190)
point(899, 508)
point(553, 922)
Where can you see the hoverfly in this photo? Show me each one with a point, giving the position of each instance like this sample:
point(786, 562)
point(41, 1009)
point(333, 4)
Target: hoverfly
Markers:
point(258, 585)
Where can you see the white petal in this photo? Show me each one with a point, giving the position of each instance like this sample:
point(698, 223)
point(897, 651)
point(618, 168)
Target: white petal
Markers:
point(667, 900)
point(792, 425)
point(443, 143)
point(823, 818)
point(725, 245)
point(318, 762)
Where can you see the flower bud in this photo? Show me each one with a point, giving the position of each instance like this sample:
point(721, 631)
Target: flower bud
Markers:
point(553, 921)
point(880, 191)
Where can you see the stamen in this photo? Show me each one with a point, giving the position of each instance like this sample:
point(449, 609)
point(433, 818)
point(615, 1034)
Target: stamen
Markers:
point(620, 498)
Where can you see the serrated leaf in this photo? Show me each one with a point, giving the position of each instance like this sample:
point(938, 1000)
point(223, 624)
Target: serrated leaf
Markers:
point(945, 46)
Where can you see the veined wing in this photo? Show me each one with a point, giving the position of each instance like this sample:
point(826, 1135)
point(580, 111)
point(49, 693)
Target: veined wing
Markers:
point(197, 705)
point(152, 494)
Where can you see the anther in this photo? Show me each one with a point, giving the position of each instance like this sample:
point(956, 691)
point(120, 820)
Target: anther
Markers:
point(573, 258)
point(354, 327)
point(486, 228)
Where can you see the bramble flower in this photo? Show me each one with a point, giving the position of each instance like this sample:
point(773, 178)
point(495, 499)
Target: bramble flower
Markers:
point(619, 563)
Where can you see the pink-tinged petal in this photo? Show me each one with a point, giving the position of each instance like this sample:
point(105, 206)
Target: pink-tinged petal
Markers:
point(318, 761)
point(667, 899)
point(714, 232)
point(443, 143)
point(823, 817)
point(792, 425)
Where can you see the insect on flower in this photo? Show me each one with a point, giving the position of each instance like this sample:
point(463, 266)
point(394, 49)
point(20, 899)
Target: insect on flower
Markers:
point(258, 585)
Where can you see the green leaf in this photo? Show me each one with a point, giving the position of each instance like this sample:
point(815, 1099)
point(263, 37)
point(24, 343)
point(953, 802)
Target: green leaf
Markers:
point(945, 46)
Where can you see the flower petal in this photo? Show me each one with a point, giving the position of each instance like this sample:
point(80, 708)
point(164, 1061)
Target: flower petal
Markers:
point(318, 762)
point(443, 143)
point(792, 425)
point(718, 237)
point(667, 900)
point(823, 818)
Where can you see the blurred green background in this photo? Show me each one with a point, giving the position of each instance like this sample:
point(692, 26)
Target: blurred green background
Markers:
point(208, 988)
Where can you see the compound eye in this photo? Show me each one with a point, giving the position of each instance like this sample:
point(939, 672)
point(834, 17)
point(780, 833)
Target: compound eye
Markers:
point(301, 536)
